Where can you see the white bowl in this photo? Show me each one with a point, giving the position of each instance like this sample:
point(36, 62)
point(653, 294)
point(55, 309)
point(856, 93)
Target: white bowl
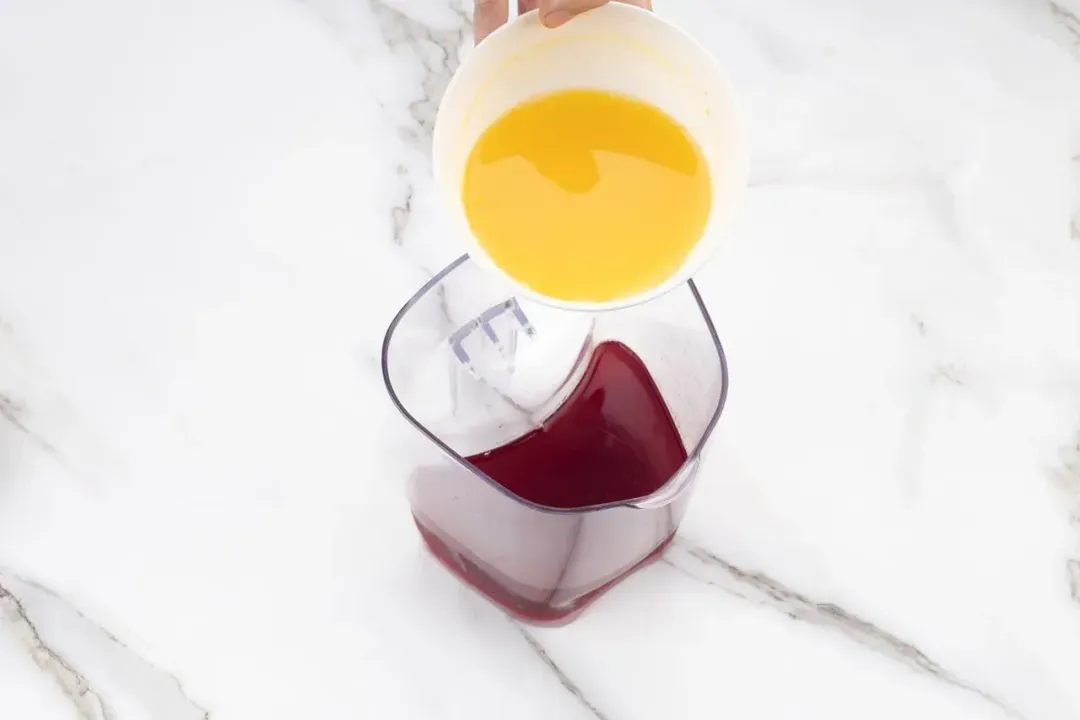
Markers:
point(619, 48)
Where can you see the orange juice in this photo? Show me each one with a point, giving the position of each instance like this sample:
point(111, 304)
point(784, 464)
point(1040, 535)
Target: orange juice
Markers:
point(585, 195)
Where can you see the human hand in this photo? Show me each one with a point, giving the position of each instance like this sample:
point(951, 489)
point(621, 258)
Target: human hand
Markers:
point(489, 15)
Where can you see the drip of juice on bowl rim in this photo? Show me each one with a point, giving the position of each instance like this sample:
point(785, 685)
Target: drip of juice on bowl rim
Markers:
point(587, 195)
point(613, 439)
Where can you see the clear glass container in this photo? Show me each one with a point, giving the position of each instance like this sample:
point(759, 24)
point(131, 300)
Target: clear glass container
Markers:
point(489, 380)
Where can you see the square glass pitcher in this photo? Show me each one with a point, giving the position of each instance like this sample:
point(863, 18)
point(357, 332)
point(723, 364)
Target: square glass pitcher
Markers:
point(555, 451)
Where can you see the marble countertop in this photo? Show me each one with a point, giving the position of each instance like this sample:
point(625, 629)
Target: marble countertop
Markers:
point(209, 211)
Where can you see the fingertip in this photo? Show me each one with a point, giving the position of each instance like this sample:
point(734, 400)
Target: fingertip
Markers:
point(555, 18)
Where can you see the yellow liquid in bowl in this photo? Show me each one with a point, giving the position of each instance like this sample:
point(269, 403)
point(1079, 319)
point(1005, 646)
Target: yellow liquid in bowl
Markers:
point(585, 195)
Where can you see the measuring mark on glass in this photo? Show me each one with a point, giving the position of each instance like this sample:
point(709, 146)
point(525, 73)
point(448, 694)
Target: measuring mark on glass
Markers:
point(484, 323)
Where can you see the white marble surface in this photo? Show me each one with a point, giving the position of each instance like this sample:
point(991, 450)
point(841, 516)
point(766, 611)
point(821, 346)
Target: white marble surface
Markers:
point(209, 209)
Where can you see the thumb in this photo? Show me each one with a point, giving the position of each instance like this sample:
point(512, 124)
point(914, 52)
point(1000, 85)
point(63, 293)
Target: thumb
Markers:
point(488, 15)
point(554, 13)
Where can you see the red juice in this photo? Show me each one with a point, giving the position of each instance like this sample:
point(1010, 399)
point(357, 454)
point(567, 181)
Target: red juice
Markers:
point(612, 440)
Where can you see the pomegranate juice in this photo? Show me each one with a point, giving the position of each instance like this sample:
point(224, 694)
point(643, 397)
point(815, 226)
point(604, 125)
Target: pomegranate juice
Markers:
point(612, 440)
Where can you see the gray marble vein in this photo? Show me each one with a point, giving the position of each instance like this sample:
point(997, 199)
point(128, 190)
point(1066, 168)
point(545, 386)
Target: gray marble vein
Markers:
point(12, 411)
point(569, 685)
point(437, 53)
point(1074, 579)
point(74, 685)
point(93, 668)
point(760, 589)
point(1067, 19)
point(1069, 481)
